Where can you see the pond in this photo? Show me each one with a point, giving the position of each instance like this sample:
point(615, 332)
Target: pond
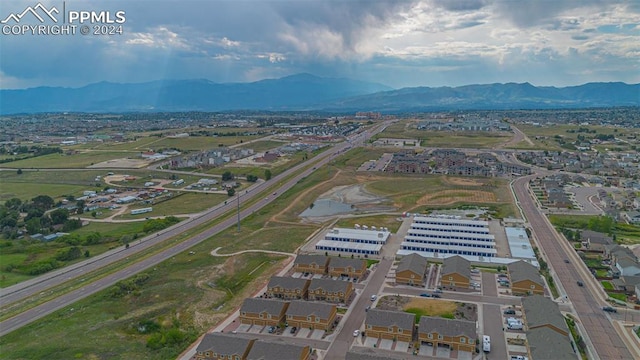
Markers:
point(327, 207)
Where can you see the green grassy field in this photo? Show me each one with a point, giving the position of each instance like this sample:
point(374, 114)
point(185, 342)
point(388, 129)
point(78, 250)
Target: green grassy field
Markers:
point(80, 160)
point(166, 299)
point(195, 143)
point(469, 140)
point(544, 136)
point(182, 203)
point(27, 191)
point(262, 145)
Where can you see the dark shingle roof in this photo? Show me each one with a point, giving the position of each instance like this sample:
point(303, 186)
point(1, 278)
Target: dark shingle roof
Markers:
point(414, 263)
point(311, 259)
point(544, 343)
point(340, 262)
point(457, 264)
point(539, 311)
point(403, 320)
point(263, 350)
point(306, 308)
point(287, 282)
point(329, 285)
point(223, 344)
point(258, 305)
point(447, 327)
point(521, 270)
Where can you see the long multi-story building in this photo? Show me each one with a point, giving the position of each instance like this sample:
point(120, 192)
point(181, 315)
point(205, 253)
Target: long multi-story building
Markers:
point(354, 241)
point(434, 236)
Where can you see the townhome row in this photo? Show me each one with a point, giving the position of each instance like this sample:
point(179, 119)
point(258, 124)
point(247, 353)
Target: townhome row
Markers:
point(301, 314)
point(456, 273)
point(288, 288)
point(400, 326)
point(330, 265)
point(220, 346)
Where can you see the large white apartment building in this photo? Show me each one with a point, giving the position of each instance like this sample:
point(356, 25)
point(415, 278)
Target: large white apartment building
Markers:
point(441, 236)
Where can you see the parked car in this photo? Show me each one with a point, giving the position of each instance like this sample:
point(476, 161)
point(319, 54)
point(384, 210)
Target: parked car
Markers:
point(356, 333)
point(293, 330)
point(425, 295)
point(519, 357)
point(509, 312)
point(373, 297)
point(580, 283)
point(367, 309)
point(610, 309)
point(438, 291)
point(272, 329)
point(435, 295)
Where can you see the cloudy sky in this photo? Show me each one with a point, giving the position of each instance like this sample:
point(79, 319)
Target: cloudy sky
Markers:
point(397, 43)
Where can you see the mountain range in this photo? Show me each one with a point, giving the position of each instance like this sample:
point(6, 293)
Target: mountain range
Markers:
point(305, 92)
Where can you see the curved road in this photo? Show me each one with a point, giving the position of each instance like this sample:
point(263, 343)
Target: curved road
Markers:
point(606, 342)
point(42, 283)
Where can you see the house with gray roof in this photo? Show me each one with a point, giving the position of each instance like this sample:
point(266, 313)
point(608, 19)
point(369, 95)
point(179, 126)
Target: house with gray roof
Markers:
point(525, 278)
point(271, 350)
point(411, 270)
point(330, 290)
point(456, 272)
point(261, 312)
point(313, 264)
point(545, 343)
point(311, 315)
point(452, 333)
point(288, 288)
point(386, 324)
point(221, 346)
point(539, 311)
point(347, 267)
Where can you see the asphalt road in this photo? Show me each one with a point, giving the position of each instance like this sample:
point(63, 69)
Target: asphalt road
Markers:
point(606, 342)
point(42, 283)
point(342, 341)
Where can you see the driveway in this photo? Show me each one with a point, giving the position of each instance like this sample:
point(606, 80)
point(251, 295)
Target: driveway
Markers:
point(317, 334)
point(255, 329)
point(370, 341)
point(303, 333)
point(426, 350)
point(402, 346)
point(386, 344)
point(464, 355)
point(443, 351)
point(243, 328)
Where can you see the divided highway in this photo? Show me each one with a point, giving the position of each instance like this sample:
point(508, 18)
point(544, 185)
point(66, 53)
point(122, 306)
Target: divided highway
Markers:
point(42, 283)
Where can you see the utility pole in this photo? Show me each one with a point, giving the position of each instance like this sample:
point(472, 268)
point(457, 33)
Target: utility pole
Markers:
point(238, 211)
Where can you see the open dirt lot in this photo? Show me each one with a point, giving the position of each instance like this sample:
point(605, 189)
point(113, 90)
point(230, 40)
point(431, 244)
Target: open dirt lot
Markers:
point(122, 163)
point(452, 196)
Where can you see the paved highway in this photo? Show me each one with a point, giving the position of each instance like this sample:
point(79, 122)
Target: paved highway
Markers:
point(606, 342)
point(42, 283)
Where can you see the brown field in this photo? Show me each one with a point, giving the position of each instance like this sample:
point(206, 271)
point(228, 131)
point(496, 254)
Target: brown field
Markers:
point(445, 197)
point(431, 306)
point(462, 181)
